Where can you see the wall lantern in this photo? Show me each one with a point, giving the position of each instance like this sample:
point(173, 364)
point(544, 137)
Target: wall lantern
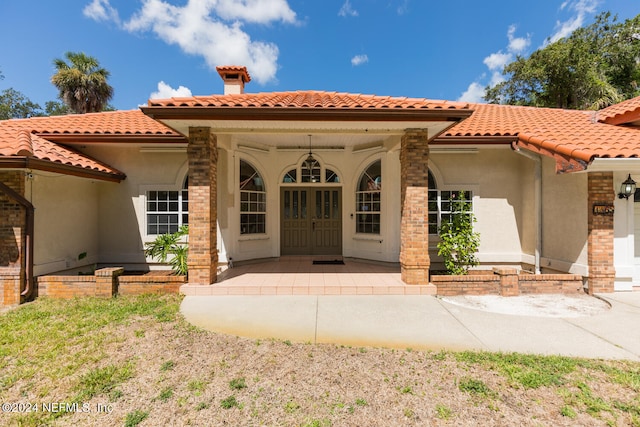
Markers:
point(627, 189)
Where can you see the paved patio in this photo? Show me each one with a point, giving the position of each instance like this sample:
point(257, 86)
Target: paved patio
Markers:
point(300, 276)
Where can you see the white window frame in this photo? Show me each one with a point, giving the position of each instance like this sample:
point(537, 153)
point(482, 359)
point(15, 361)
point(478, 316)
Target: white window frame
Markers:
point(254, 198)
point(181, 212)
point(366, 199)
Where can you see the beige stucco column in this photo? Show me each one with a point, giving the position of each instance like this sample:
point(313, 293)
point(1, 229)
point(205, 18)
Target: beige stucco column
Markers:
point(414, 225)
point(600, 241)
point(202, 152)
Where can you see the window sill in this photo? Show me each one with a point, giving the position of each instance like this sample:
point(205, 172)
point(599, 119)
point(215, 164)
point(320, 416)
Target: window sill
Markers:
point(368, 237)
point(246, 238)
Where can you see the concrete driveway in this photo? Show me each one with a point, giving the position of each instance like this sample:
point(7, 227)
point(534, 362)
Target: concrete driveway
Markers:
point(422, 322)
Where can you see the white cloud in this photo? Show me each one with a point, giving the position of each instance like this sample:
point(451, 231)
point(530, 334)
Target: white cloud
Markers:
point(473, 94)
point(359, 60)
point(517, 44)
point(497, 61)
point(101, 10)
point(347, 10)
point(258, 11)
point(212, 29)
point(165, 91)
point(582, 9)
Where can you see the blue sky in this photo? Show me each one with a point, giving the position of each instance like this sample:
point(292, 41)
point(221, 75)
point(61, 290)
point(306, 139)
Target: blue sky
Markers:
point(162, 48)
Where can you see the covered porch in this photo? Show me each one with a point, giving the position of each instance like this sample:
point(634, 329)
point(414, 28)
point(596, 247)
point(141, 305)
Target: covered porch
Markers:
point(298, 275)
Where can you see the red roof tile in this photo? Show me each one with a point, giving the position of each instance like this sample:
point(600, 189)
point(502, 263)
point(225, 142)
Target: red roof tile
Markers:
point(569, 133)
point(307, 99)
point(132, 122)
point(625, 112)
point(26, 137)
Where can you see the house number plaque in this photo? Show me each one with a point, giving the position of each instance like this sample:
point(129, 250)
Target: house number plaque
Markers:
point(605, 209)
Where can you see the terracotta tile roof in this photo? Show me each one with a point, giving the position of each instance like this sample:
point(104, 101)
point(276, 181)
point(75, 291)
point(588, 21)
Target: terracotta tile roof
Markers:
point(131, 123)
point(308, 99)
point(36, 137)
point(624, 112)
point(569, 135)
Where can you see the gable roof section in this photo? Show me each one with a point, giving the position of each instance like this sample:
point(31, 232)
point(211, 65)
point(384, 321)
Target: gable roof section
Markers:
point(35, 143)
point(626, 112)
point(574, 138)
point(300, 105)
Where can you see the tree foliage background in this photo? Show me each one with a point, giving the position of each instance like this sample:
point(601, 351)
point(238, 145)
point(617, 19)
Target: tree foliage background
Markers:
point(596, 66)
point(82, 86)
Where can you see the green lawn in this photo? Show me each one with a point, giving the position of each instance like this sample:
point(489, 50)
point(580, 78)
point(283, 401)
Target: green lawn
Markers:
point(134, 361)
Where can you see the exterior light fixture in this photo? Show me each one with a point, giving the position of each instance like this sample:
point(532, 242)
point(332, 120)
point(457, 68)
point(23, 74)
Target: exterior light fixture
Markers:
point(627, 189)
point(310, 161)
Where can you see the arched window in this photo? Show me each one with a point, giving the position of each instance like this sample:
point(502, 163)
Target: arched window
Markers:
point(441, 204)
point(311, 173)
point(253, 200)
point(167, 210)
point(368, 199)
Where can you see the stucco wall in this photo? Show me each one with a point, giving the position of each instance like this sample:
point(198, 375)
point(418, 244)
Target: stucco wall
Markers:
point(272, 164)
point(66, 221)
point(501, 181)
point(121, 217)
point(564, 236)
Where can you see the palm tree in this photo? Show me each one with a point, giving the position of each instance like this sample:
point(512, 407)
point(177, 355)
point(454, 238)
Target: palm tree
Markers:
point(82, 83)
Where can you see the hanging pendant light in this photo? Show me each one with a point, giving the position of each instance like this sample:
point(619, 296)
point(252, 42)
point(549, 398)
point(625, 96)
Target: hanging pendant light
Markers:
point(310, 161)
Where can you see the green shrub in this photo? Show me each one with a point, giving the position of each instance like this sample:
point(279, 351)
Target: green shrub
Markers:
point(458, 242)
point(171, 245)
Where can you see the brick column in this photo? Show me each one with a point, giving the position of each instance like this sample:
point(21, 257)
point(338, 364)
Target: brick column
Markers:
point(203, 210)
point(107, 281)
point(414, 226)
point(600, 241)
point(509, 281)
point(12, 235)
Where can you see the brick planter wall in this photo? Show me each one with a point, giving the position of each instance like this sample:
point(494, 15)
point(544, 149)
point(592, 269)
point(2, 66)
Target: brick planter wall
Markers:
point(107, 282)
point(66, 286)
point(137, 285)
point(507, 282)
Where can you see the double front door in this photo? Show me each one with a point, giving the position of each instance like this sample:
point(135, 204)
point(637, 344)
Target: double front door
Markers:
point(310, 221)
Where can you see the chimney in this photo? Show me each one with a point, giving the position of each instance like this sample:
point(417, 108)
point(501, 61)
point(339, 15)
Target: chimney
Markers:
point(234, 78)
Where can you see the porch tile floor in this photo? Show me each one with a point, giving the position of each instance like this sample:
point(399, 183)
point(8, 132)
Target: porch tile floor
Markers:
point(299, 276)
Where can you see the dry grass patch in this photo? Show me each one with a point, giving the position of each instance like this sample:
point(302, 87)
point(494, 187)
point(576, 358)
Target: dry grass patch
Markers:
point(134, 361)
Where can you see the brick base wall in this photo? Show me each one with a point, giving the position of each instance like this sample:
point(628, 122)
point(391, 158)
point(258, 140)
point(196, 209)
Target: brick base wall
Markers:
point(10, 285)
point(66, 287)
point(137, 285)
point(506, 282)
point(106, 283)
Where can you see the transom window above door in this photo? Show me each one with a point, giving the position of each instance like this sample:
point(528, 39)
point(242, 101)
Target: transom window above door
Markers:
point(311, 172)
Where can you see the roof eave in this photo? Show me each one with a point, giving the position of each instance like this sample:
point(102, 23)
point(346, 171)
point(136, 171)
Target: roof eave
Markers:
point(77, 138)
point(20, 162)
point(308, 114)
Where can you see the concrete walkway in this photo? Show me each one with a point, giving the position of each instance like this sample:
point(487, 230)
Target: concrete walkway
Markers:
point(420, 322)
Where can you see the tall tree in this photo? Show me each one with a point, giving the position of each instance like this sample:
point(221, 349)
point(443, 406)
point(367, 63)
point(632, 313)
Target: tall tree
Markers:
point(594, 67)
point(14, 105)
point(82, 83)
